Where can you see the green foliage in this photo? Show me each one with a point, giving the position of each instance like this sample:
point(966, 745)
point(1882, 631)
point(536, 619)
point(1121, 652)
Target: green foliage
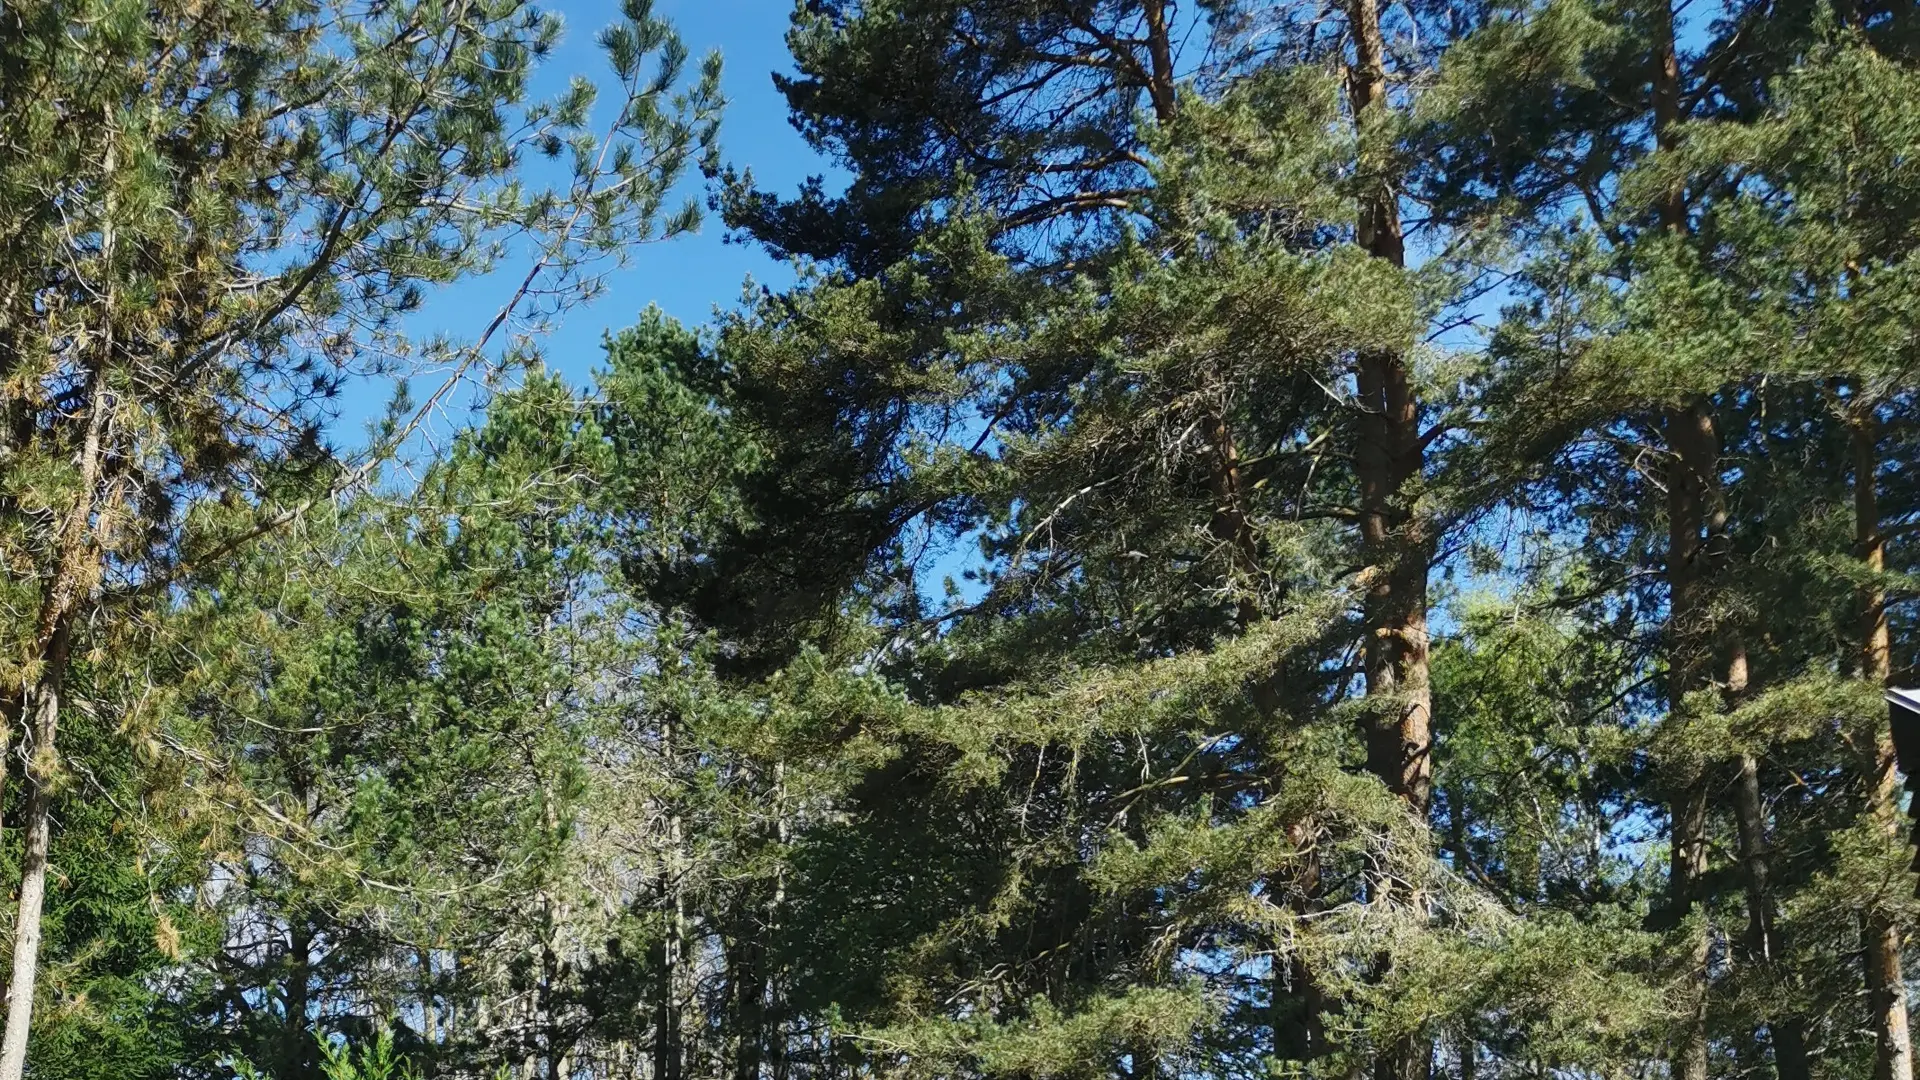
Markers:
point(967, 661)
point(376, 1060)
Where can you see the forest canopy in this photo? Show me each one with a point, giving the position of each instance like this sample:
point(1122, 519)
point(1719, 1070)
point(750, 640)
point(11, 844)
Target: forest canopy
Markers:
point(1259, 539)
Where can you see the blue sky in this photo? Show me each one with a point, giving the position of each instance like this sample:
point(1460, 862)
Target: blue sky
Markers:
point(687, 277)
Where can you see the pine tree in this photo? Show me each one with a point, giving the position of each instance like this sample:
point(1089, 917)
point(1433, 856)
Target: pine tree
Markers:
point(1806, 244)
point(1642, 344)
point(217, 213)
point(1189, 297)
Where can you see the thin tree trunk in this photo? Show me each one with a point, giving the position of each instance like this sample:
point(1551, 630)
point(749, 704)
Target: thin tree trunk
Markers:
point(776, 983)
point(1787, 1032)
point(1296, 1000)
point(1695, 480)
point(1887, 992)
point(669, 1056)
point(1160, 57)
point(1297, 1003)
point(294, 1039)
point(1763, 934)
point(748, 988)
point(1690, 483)
point(1886, 981)
point(1228, 525)
point(45, 715)
point(551, 1041)
point(668, 1052)
point(429, 1020)
point(554, 1044)
point(41, 705)
point(1686, 867)
point(75, 565)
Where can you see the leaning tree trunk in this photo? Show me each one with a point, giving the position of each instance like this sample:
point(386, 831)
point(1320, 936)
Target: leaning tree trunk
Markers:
point(1886, 980)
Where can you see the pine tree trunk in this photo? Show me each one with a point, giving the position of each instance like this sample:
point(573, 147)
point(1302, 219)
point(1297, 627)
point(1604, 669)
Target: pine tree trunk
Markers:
point(551, 1039)
point(1160, 58)
point(1228, 524)
point(1687, 866)
point(1696, 461)
point(774, 1019)
point(1787, 1032)
point(1885, 977)
point(1887, 993)
point(1387, 459)
point(1692, 486)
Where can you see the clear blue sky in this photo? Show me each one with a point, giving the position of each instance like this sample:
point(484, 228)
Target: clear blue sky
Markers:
point(687, 277)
